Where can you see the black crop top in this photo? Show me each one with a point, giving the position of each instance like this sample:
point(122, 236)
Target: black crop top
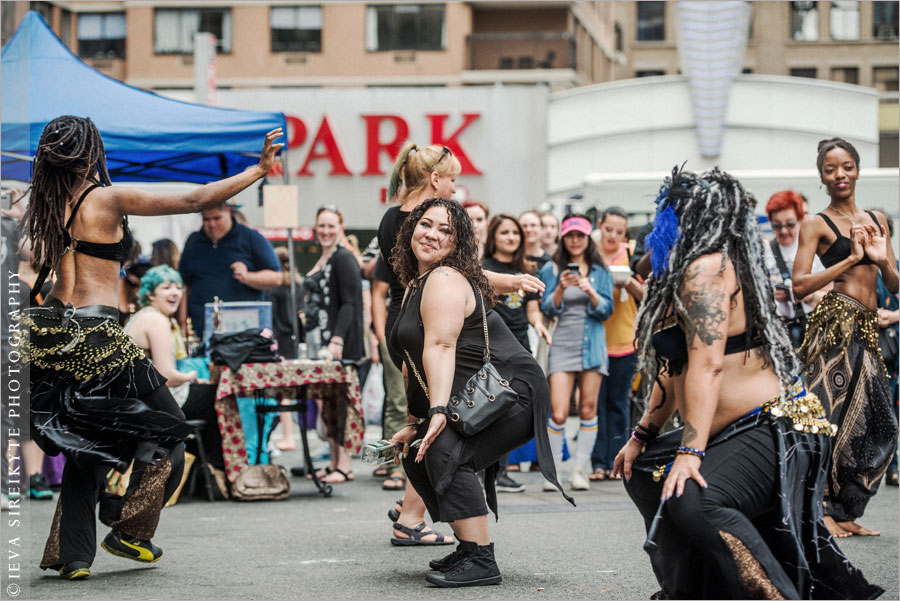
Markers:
point(669, 342)
point(840, 248)
point(113, 251)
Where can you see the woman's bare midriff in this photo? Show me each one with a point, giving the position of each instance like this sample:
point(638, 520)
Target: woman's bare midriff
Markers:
point(859, 282)
point(745, 386)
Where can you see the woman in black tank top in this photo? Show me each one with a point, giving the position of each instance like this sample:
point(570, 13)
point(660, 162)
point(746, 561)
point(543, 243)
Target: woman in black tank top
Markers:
point(441, 337)
point(95, 397)
point(843, 364)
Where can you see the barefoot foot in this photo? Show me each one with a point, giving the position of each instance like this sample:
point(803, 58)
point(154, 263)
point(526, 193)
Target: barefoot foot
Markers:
point(835, 530)
point(854, 528)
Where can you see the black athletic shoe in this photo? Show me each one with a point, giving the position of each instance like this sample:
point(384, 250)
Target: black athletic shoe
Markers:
point(445, 563)
point(131, 548)
point(476, 569)
point(506, 484)
point(75, 570)
point(38, 489)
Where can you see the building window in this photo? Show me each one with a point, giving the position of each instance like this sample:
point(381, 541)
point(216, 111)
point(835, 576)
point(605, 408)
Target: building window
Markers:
point(617, 31)
point(884, 20)
point(651, 21)
point(65, 27)
point(844, 20)
point(845, 74)
point(649, 73)
point(174, 29)
point(101, 35)
point(804, 21)
point(804, 72)
point(405, 27)
point(885, 78)
point(7, 21)
point(296, 28)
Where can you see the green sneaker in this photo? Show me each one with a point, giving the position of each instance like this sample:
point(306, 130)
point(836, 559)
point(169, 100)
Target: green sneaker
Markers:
point(75, 570)
point(120, 545)
point(38, 489)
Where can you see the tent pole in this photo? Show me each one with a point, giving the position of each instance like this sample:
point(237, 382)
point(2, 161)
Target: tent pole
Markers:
point(290, 240)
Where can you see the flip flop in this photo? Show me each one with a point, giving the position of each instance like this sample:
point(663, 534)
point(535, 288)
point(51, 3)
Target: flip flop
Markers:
point(394, 483)
point(599, 474)
point(416, 535)
point(320, 473)
point(393, 514)
point(382, 471)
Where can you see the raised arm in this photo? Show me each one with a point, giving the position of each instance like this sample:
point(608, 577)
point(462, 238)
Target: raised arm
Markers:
point(706, 304)
point(446, 297)
point(131, 201)
point(804, 282)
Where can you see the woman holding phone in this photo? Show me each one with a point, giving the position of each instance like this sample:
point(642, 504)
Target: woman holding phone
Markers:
point(579, 293)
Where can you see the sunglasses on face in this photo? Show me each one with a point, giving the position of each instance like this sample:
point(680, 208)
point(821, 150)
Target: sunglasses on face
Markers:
point(444, 153)
point(782, 226)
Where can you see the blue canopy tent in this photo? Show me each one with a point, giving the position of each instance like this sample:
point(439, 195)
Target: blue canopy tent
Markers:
point(147, 138)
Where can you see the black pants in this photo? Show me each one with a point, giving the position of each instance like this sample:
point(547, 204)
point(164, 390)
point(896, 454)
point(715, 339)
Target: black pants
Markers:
point(465, 457)
point(200, 404)
point(73, 534)
point(704, 536)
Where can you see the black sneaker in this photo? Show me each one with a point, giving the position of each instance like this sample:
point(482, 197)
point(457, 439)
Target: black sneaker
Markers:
point(75, 570)
point(445, 563)
point(478, 568)
point(38, 489)
point(507, 484)
point(120, 545)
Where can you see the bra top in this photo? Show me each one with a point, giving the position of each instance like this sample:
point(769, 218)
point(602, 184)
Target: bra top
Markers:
point(840, 248)
point(669, 342)
point(113, 251)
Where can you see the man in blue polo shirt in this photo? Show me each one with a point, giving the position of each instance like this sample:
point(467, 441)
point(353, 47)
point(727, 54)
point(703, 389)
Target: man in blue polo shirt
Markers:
point(228, 260)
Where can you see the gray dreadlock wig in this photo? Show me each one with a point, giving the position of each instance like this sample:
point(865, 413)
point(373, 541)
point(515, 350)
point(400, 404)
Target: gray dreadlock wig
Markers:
point(697, 216)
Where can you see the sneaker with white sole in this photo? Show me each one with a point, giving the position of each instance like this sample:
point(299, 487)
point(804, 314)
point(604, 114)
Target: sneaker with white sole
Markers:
point(506, 484)
point(579, 479)
point(549, 486)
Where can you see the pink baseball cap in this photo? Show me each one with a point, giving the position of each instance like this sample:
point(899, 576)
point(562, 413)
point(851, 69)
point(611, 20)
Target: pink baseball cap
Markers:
point(576, 224)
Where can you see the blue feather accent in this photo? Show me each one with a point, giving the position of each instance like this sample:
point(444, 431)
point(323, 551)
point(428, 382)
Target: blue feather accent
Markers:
point(662, 238)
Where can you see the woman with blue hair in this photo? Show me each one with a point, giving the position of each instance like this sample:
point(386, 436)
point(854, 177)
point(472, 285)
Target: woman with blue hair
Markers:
point(154, 330)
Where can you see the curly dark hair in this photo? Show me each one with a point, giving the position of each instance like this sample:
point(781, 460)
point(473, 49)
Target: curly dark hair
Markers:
point(464, 257)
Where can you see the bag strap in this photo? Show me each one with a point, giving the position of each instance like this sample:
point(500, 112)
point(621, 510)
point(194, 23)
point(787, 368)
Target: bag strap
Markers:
point(487, 348)
point(785, 275)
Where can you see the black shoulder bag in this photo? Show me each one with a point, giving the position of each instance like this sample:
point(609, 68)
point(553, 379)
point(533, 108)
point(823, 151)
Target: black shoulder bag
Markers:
point(796, 326)
point(483, 399)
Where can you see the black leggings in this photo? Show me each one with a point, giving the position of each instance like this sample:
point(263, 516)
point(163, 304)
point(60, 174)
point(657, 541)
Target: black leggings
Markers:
point(467, 456)
point(742, 477)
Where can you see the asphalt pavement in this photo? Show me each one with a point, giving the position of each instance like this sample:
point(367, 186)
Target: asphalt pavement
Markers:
point(310, 547)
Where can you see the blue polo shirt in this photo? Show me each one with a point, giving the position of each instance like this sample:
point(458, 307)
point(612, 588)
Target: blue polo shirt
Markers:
point(206, 267)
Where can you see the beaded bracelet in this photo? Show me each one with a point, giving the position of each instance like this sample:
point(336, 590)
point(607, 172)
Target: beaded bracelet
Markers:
point(690, 451)
point(645, 433)
point(636, 439)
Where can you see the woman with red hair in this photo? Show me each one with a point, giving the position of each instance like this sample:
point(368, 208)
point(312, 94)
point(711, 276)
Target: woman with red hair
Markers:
point(785, 212)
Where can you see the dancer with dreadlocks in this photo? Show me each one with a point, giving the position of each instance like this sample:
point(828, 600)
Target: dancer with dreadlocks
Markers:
point(95, 397)
point(730, 499)
point(840, 352)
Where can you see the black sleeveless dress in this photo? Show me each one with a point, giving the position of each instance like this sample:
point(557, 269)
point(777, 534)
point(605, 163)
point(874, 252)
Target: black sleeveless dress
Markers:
point(447, 479)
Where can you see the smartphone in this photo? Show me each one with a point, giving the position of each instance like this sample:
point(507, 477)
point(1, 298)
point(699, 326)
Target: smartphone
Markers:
point(573, 267)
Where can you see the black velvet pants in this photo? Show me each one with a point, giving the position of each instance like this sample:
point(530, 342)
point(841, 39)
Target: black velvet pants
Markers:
point(736, 562)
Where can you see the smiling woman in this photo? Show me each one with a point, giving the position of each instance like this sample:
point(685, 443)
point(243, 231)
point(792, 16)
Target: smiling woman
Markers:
point(444, 323)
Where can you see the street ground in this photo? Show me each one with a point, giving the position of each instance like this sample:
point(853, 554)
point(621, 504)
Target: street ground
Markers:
point(310, 547)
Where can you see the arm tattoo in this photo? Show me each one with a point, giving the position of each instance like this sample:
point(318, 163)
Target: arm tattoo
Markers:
point(704, 311)
point(690, 433)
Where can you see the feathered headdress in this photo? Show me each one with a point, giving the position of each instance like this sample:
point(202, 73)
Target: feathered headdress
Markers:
point(665, 233)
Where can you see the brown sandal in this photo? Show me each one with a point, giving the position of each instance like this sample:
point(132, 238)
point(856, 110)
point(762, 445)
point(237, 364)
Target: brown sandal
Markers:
point(599, 474)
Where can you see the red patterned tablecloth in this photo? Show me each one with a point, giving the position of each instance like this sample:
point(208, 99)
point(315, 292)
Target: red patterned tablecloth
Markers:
point(326, 380)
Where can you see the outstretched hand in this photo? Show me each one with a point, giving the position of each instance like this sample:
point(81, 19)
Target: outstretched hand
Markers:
point(269, 150)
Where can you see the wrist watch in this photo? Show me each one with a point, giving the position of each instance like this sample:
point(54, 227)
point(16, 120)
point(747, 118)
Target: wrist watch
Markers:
point(439, 409)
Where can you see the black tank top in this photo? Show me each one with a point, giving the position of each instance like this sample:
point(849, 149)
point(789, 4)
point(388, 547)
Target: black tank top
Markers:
point(669, 342)
point(840, 248)
point(507, 354)
point(113, 251)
